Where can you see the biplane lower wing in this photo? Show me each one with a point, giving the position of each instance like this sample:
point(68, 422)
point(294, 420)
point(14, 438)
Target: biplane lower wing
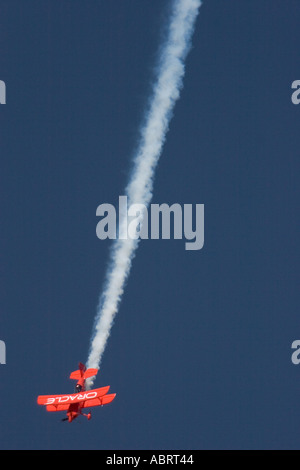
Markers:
point(99, 401)
point(57, 407)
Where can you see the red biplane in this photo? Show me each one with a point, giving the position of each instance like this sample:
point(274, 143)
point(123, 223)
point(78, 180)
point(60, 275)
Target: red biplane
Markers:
point(74, 404)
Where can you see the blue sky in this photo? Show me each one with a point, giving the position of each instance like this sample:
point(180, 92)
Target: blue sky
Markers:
point(200, 352)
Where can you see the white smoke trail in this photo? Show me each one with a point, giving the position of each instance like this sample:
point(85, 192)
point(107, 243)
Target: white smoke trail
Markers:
point(139, 190)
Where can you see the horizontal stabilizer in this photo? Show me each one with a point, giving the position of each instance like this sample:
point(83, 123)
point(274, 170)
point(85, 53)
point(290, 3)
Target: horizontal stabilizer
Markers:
point(90, 373)
point(78, 374)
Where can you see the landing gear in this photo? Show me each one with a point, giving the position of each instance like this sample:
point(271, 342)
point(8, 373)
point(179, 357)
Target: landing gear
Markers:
point(88, 416)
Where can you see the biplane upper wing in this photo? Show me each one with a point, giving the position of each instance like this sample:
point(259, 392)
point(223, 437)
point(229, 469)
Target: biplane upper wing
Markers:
point(73, 398)
point(99, 401)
